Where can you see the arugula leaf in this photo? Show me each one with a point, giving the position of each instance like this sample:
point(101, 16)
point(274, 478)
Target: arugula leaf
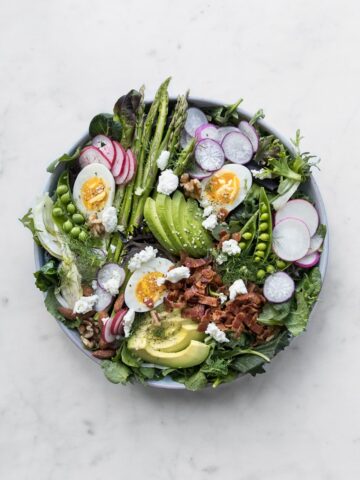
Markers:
point(52, 305)
point(296, 321)
point(274, 314)
point(115, 372)
point(65, 158)
point(215, 367)
point(28, 221)
point(196, 381)
point(310, 286)
point(47, 276)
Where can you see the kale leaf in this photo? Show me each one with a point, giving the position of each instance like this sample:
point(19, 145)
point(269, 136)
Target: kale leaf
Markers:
point(47, 276)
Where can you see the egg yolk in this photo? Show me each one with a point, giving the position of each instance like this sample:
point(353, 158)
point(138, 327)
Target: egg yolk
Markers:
point(147, 290)
point(94, 193)
point(223, 187)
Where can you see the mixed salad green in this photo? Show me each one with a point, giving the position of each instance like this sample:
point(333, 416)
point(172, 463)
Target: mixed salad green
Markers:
point(179, 241)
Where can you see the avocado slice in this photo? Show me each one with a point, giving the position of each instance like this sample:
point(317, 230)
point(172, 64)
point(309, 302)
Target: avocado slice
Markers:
point(163, 208)
point(154, 223)
point(201, 239)
point(194, 354)
point(178, 212)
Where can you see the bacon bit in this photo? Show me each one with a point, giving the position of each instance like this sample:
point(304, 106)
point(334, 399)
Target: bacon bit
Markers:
point(193, 262)
point(196, 312)
point(87, 291)
point(149, 302)
point(222, 214)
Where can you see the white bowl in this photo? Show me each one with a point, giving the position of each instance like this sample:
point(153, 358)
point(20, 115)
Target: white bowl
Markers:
point(310, 188)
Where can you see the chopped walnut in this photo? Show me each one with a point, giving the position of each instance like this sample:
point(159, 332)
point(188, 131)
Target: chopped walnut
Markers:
point(96, 227)
point(191, 186)
point(222, 214)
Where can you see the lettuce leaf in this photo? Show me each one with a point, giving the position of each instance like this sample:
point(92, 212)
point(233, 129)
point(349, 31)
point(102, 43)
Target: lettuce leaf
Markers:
point(47, 276)
point(52, 305)
point(28, 221)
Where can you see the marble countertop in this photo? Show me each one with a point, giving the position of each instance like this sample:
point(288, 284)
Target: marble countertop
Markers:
point(63, 61)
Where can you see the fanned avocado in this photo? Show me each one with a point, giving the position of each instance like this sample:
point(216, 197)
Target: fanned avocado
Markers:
point(179, 212)
point(154, 223)
point(163, 208)
point(201, 240)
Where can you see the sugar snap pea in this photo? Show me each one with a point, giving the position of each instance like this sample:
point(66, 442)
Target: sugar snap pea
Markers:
point(248, 232)
point(263, 242)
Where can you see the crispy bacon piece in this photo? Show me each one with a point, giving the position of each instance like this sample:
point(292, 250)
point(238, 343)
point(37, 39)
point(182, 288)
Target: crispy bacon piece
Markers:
point(196, 312)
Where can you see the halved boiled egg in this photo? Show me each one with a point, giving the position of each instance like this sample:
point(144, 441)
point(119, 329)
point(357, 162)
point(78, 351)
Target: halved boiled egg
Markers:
point(94, 189)
point(142, 291)
point(227, 187)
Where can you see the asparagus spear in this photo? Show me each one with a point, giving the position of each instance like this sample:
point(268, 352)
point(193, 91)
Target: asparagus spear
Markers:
point(184, 158)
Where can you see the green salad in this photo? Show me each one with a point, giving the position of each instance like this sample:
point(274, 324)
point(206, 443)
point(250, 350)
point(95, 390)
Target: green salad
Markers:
point(179, 241)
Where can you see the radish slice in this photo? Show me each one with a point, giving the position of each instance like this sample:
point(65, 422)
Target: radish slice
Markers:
point(104, 299)
point(209, 155)
point(279, 287)
point(108, 272)
point(185, 139)
point(132, 165)
point(120, 179)
point(206, 131)
point(106, 334)
point(119, 159)
point(237, 148)
point(250, 132)
point(105, 145)
point(315, 243)
point(93, 155)
point(308, 261)
point(291, 239)
point(117, 322)
point(223, 131)
point(301, 209)
point(194, 119)
point(197, 172)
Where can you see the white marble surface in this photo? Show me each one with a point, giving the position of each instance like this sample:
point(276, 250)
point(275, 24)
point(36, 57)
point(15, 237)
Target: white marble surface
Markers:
point(60, 63)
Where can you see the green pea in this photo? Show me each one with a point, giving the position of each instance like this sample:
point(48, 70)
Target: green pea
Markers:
point(78, 218)
point(264, 237)
point(263, 208)
point(280, 264)
point(270, 269)
point(263, 226)
point(66, 198)
point(57, 212)
point(261, 246)
point(61, 189)
point(67, 226)
point(242, 245)
point(264, 216)
point(83, 236)
point(71, 208)
point(260, 274)
point(257, 259)
point(247, 236)
point(75, 232)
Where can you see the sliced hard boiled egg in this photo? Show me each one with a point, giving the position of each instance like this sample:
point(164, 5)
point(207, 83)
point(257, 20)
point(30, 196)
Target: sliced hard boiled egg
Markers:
point(227, 187)
point(142, 291)
point(94, 189)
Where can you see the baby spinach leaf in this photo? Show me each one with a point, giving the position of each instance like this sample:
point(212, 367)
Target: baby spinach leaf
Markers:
point(47, 276)
point(274, 314)
point(115, 372)
point(104, 124)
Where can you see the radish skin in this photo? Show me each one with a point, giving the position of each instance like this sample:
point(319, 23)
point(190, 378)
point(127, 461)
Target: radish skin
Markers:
point(315, 243)
point(194, 119)
point(291, 239)
point(302, 210)
point(106, 146)
point(250, 132)
point(119, 159)
point(308, 261)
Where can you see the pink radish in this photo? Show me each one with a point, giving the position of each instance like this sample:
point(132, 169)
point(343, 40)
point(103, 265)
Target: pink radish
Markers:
point(279, 287)
point(250, 132)
point(120, 179)
point(199, 173)
point(104, 299)
point(223, 131)
point(291, 239)
point(119, 159)
point(117, 324)
point(105, 145)
point(194, 118)
point(106, 334)
point(209, 155)
point(93, 155)
point(237, 148)
point(206, 131)
point(132, 165)
point(308, 261)
point(315, 243)
point(301, 209)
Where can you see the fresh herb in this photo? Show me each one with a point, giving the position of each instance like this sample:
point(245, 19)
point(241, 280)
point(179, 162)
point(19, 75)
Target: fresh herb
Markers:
point(224, 115)
point(125, 113)
point(28, 221)
point(87, 256)
point(259, 115)
point(248, 207)
point(52, 305)
point(321, 231)
point(104, 124)
point(65, 158)
point(47, 276)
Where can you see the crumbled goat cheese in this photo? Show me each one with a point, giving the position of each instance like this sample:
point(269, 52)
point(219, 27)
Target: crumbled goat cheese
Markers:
point(208, 211)
point(129, 318)
point(168, 182)
point(121, 228)
point(231, 247)
point(139, 191)
point(238, 287)
point(85, 304)
point(94, 285)
point(144, 256)
point(222, 298)
point(108, 218)
point(163, 159)
point(210, 222)
point(177, 274)
point(112, 285)
point(221, 258)
point(260, 173)
point(205, 202)
point(216, 333)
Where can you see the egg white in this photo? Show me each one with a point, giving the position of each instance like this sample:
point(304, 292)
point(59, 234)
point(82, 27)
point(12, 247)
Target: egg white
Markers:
point(161, 265)
point(245, 179)
point(90, 171)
